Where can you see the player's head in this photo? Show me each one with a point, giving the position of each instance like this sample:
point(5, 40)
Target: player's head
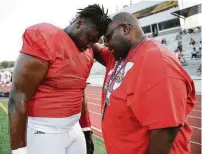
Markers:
point(123, 34)
point(90, 24)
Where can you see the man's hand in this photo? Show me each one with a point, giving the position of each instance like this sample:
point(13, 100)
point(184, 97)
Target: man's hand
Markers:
point(89, 141)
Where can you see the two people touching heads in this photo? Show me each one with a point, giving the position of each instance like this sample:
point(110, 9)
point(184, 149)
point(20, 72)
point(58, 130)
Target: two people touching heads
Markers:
point(120, 33)
point(47, 93)
point(88, 27)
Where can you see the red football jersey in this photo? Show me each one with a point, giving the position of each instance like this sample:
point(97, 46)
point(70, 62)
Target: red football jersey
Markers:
point(151, 91)
point(61, 92)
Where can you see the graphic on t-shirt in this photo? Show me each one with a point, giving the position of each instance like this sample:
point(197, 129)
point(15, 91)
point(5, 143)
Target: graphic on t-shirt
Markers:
point(116, 82)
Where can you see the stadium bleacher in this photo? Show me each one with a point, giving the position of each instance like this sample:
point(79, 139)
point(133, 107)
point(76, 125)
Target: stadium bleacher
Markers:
point(172, 44)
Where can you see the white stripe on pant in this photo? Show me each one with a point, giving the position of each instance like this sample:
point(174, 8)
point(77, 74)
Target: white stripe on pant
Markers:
point(69, 142)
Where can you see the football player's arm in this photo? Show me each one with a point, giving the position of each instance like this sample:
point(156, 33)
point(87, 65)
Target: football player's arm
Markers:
point(86, 127)
point(28, 74)
point(161, 140)
point(101, 53)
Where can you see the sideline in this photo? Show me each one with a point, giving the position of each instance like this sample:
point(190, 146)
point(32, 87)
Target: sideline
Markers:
point(4, 108)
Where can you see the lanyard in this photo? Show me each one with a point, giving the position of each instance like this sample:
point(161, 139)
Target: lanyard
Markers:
point(116, 72)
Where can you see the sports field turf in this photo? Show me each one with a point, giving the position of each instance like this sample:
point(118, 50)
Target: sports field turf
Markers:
point(4, 141)
point(4, 146)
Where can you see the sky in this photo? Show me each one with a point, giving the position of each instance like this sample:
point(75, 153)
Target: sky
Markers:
point(17, 15)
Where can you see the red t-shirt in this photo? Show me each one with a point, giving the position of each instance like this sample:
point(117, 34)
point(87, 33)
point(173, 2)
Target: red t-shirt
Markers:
point(61, 92)
point(152, 91)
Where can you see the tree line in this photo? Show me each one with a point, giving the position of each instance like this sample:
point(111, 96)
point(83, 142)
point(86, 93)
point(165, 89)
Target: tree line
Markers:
point(7, 64)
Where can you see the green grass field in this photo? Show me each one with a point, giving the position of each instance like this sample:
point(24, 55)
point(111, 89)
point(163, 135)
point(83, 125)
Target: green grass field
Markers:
point(4, 146)
point(4, 141)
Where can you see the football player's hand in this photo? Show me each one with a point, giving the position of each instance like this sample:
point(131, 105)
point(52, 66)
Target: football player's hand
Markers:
point(89, 141)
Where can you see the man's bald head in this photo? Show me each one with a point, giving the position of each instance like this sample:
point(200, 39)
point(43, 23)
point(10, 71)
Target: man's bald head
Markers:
point(123, 34)
point(125, 17)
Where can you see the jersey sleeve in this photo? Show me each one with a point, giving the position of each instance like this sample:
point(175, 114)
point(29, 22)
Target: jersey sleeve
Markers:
point(35, 45)
point(106, 55)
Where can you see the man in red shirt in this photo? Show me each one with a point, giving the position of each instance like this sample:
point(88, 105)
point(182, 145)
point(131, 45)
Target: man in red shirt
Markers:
point(146, 96)
point(49, 79)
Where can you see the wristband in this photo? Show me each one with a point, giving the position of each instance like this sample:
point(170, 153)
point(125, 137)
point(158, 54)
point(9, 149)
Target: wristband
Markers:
point(86, 129)
point(20, 151)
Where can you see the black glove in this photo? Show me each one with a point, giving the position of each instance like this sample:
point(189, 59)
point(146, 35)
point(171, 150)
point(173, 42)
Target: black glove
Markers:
point(89, 141)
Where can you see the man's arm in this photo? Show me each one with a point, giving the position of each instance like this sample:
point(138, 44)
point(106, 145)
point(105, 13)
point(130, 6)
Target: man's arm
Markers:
point(85, 125)
point(84, 106)
point(97, 53)
point(28, 74)
point(161, 140)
